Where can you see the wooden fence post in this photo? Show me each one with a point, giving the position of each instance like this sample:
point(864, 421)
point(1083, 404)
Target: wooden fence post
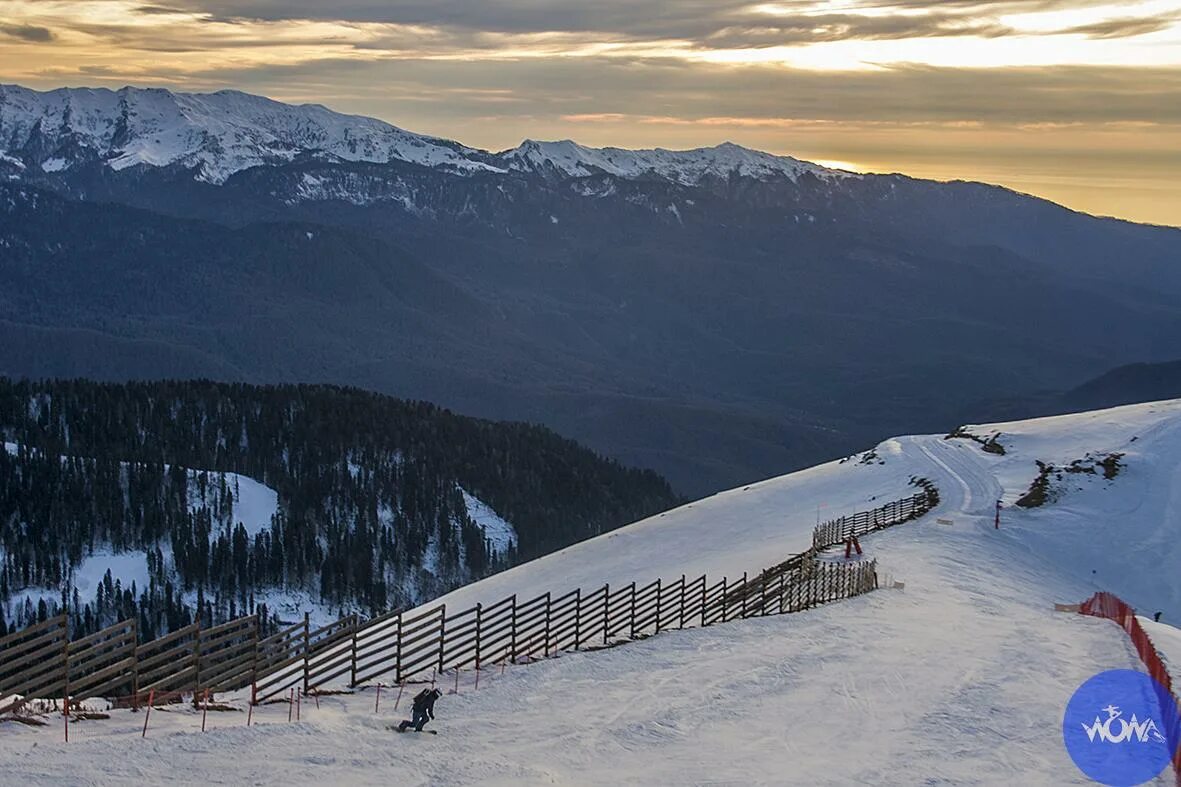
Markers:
point(442, 635)
point(479, 617)
point(257, 634)
point(398, 652)
point(354, 624)
point(810, 585)
point(197, 657)
point(744, 589)
point(659, 599)
point(577, 616)
point(66, 673)
point(307, 650)
point(606, 610)
point(548, 611)
point(682, 616)
point(725, 598)
point(513, 633)
point(633, 611)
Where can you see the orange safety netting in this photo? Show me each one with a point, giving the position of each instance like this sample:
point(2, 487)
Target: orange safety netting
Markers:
point(1106, 605)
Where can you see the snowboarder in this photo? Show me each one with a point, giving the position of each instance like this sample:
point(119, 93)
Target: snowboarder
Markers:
point(424, 706)
point(1156, 617)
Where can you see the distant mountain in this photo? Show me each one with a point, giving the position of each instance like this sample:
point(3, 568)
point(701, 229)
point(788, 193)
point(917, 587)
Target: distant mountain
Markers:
point(1136, 382)
point(719, 314)
point(216, 499)
point(216, 135)
point(568, 159)
point(213, 135)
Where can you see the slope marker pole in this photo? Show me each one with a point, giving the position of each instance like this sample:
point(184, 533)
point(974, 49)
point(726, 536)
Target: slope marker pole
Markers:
point(148, 713)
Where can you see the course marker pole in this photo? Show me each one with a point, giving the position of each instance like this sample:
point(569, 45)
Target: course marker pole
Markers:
point(148, 714)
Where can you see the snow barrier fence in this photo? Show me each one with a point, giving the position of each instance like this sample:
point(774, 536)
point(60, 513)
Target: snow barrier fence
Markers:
point(42, 662)
point(1110, 606)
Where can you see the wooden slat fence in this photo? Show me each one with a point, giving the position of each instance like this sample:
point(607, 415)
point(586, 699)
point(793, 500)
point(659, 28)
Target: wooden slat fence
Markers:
point(34, 662)
point(401, 645)
point(835, 531)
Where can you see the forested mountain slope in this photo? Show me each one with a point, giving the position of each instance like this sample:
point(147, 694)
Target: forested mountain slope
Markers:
point(234, 496)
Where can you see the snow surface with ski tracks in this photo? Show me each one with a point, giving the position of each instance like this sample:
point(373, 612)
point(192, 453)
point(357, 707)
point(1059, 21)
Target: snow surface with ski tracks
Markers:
point(959, 678)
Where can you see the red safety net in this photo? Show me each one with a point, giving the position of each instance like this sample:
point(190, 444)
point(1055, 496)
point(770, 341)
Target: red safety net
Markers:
point(1106, 605)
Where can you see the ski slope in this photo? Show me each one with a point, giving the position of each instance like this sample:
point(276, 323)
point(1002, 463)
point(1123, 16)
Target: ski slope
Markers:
point(961, 677)
point(1098, 534)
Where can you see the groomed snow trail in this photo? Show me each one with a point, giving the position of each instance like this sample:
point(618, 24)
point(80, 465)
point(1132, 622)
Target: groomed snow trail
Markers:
point(960, 678)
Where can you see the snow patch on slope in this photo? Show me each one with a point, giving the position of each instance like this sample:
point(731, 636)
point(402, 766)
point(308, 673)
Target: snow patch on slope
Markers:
point(254, 503)
point(502, 534)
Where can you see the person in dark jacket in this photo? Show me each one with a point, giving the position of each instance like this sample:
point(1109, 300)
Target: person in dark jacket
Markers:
point(424, 707)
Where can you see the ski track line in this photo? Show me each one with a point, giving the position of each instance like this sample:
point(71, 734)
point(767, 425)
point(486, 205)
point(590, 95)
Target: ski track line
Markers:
point(966, 501)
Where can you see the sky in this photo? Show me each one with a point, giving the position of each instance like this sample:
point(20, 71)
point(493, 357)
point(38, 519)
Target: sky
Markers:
point(1075, 100)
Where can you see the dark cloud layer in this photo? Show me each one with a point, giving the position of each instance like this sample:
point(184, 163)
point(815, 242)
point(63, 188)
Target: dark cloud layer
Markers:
point(900, 94)
point(1125, 27)
point(707, 22)
point(27, 32)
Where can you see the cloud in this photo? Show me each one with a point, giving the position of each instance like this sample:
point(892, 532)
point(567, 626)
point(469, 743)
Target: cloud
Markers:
point(159, 10)
point(815, 28)
point(770, 94)
point(31, 33)
point(1125, 27)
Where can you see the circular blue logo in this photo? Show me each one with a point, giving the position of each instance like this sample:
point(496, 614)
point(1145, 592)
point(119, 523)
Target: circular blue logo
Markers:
point(1121, 728)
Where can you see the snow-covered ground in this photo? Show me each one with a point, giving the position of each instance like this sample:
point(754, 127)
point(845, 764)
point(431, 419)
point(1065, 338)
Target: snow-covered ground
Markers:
point(959, 678)
point(1167, 640)
point(501, 533)
point(254, 503)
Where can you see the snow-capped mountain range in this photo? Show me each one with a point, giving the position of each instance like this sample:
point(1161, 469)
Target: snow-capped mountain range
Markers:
point(750, 283)
point(216, 135)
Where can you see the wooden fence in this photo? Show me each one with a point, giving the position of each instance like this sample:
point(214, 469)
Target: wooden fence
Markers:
point(42, 662)
point(835, 531)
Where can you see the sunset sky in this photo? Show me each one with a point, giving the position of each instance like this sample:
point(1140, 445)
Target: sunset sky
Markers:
point(1075, 100)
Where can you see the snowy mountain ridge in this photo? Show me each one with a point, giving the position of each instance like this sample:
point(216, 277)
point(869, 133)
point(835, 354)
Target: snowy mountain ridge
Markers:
point(219, 134)
point(216, 134)
point(686, 167)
